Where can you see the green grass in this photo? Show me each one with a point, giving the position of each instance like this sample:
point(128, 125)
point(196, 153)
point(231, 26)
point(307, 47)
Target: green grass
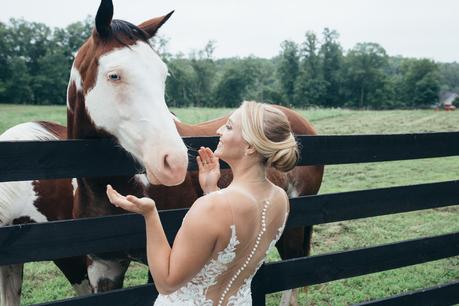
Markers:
point(11, 115)
point(44, 282)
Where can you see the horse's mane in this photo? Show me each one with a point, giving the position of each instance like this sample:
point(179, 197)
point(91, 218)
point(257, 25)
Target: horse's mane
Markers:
point(125, 32)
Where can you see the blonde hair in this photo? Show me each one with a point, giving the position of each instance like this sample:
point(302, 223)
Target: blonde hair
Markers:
point(268, 130)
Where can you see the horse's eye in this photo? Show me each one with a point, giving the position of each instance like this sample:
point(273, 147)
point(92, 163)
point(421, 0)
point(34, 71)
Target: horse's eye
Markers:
point(114, 76)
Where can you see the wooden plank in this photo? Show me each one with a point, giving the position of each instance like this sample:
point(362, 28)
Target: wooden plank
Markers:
point(318, 209)
point(60, 239)
point(28, 160)
point(134, 296)
point(258, 294)
point(312, 270)
point(63, 159)
point(440, 295)
point(446, 294)
point(51, 240)
point(344, 149)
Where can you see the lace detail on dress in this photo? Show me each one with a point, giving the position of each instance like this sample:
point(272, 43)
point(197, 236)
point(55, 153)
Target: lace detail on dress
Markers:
point(244, 295)
point(194, 292)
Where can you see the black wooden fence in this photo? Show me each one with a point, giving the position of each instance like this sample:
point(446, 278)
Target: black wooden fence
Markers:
point(62, 159)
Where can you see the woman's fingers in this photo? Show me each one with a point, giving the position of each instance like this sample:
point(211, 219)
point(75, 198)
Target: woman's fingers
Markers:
point(144, 203)
point(130, 202)
point(199, 161)
point(135, 200)
point(204, 157)
point(112, 195)
point(120, 201)
point(209, 153)
point(212, 157)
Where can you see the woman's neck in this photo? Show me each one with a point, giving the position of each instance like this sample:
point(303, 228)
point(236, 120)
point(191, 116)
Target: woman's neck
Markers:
point(244, 173)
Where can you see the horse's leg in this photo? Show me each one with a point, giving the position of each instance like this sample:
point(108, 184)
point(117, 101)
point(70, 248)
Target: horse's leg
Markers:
point(11, 284)
point(105, 275)
point(16, 207)
point(294, 243)
point(75, 270)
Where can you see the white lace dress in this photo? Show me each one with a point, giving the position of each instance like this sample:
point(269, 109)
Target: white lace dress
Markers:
point(194, 293)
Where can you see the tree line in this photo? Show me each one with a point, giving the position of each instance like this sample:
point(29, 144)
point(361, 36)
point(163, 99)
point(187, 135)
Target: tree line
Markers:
point(35, 62)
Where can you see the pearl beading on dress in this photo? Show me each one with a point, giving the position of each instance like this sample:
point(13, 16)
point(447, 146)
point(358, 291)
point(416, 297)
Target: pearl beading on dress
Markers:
point(257, 242)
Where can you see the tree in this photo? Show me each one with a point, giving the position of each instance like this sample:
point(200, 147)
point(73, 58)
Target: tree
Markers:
point(310, 85)
point(204, 67)
point(70, 38)
point(331, 55)
point(364, 75)
point(288, 70)
point(5, 54)
point(449, 76)
point(17, 85)
point(421, 84)
point(234, 84)
point(160, 44)
point(50, 85)
point(35, 61)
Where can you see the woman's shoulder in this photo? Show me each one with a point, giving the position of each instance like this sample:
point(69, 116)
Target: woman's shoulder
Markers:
point(210, 207)
point(212, 200)
point(207, 204)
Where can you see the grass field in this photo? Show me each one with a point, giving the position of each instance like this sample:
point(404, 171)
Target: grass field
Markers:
point(44, 282)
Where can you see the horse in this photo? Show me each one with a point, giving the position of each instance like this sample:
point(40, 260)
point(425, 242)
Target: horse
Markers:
point(116, 91)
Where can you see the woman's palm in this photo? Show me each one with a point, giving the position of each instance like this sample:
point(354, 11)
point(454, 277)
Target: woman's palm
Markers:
point(209, 169)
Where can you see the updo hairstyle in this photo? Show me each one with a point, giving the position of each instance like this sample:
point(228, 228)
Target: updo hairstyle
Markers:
point(268, 130)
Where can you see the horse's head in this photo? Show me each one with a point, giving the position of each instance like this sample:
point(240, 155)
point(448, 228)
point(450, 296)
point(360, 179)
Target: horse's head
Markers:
point(116, 89)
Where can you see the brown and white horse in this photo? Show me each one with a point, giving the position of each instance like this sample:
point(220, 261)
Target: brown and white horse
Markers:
point(116, 90)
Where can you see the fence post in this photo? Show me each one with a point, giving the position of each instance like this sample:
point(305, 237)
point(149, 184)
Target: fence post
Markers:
point(258, 298)
point(258, 289)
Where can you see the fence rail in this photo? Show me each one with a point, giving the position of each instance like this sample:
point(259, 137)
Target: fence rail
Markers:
point(62, 159)
point(28, 160)
point(57, 239)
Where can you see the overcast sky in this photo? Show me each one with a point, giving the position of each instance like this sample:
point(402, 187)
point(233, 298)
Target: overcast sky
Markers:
point(411, 28)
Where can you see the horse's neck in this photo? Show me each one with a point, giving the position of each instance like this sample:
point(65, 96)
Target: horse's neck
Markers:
point(208, 128)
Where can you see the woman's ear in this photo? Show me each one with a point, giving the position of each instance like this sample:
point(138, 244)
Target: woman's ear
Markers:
point(250, 150)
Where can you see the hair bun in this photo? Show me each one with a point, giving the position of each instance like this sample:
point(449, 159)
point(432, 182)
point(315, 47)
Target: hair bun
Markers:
point(285, 158)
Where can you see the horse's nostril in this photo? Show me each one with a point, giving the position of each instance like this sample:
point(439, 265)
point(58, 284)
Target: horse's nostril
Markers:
point(167, 165)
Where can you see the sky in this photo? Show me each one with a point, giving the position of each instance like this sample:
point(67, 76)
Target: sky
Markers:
point(410, 28)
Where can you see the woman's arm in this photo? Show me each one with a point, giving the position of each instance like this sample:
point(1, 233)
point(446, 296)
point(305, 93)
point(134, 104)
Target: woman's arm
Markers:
point(173, 267)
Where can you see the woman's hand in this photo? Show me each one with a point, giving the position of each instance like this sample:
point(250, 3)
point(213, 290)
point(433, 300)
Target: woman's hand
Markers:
point(209, 170)
point(143, 206)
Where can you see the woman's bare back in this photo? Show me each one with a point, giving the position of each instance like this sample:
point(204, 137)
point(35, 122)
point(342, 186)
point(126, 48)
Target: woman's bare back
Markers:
point(252, 220)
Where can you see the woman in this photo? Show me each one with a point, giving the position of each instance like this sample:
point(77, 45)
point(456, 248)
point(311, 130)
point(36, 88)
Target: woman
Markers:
point(227, 233)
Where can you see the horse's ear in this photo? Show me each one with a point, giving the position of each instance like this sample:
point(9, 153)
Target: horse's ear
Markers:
point(151, 26)
point(104, 18)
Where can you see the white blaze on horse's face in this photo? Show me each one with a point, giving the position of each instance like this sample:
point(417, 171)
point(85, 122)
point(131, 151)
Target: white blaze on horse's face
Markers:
point(127, 101)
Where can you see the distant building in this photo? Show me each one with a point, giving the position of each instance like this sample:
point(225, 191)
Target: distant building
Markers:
point(447, 99)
